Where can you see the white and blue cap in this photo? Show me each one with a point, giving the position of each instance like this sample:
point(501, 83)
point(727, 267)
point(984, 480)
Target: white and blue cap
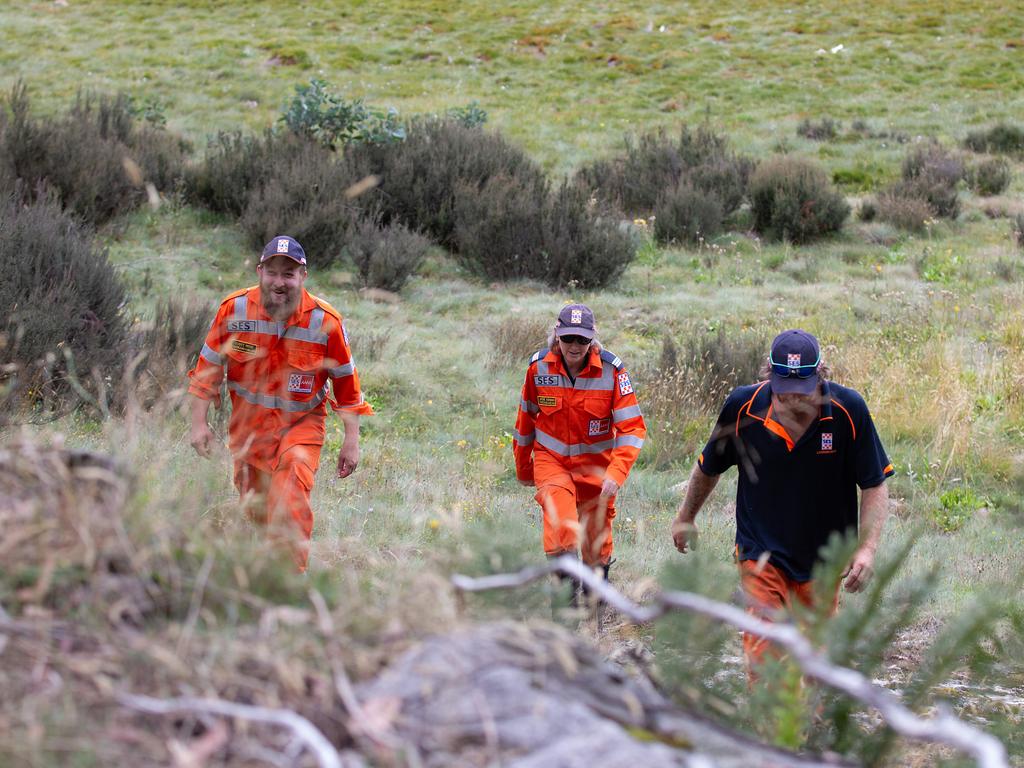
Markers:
point(284, 245)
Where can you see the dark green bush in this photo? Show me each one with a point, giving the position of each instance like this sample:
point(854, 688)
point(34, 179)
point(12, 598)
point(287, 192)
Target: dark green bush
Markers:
point(825, 129)
point(654, 163)
point(419, 177)
point(932, 173)
point(868, 210)
point(234, 166)
point(991, 176)
point(1003, 138)
point(385, 257)
point(303, 194)
point(316, 113)
point(793, 199)
point(96, 158)
point(60, 300)
point(506, 230)
point(687, 215)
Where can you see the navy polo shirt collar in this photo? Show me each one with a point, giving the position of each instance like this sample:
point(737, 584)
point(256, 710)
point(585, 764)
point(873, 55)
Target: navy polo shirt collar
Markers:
point(760, 409)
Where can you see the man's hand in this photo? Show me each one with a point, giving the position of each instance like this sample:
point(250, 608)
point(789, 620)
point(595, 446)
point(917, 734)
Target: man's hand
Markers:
point(859, 571)
point(202, 439)
point(609, 487)
point(348, 458)
point(684, 535)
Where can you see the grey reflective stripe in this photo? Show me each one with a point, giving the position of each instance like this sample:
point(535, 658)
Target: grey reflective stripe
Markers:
point(630, 440)
point(241, 302)
point(210, 356)
point(523, 440)
point(542, 368)
point(621, 414)
point(604, 383)
point(306, 334)
point(529, 407)
point(278, 403)
point(342, 370)
point(575, 449)
point(316, 320)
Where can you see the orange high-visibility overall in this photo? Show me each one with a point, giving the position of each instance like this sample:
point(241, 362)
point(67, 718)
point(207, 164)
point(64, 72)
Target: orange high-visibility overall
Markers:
point(571, 435)
point(280, 376)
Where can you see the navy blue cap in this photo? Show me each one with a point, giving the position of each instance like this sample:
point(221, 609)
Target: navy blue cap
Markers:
point(794, 359)
point(284, 245)
point(575, 320)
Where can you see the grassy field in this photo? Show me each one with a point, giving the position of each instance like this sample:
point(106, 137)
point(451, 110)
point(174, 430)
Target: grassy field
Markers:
point(929, 327)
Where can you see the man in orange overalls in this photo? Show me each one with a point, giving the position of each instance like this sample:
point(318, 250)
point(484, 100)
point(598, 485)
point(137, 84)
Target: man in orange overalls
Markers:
point(578, 432)
point(282, 351)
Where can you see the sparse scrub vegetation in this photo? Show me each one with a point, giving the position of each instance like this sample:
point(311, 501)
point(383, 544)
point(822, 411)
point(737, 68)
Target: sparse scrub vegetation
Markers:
point(932, 173)
point(687, 216)
point(792, 199)
point(654, 163)
point(384, 257)
point(825, 129)
point(97, 157)
point(61, 301)
point(1002, 138)
point(515, 338)
point(988, 177)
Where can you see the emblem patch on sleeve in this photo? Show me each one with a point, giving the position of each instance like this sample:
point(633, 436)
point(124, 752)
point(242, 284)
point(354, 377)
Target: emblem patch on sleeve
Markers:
point(300, 382)
point(599, 427)
point(625, 385)
point(243, 347)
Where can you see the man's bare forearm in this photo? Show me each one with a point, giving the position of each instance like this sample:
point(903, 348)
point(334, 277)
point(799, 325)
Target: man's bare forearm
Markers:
point(351, 422)
point(874, 509)
point(697, 491)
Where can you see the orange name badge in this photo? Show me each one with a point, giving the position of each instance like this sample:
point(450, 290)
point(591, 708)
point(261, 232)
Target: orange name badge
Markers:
point(243, 347)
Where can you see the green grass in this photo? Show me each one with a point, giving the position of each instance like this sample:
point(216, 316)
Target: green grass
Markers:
point(930, 328)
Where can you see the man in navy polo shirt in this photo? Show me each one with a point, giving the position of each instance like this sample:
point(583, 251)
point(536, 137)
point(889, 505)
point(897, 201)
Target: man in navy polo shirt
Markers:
point(803, 445)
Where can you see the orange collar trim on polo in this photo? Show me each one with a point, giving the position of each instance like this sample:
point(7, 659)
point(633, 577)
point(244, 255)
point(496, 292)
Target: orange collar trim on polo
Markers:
point(761, 402)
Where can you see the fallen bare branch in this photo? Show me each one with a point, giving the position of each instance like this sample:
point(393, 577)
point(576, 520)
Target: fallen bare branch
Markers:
point(325, 753)
point(943, 728)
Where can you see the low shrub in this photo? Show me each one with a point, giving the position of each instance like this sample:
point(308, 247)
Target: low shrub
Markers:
point(61, 302)
point(421, 176)
point(385, 257)
point(868, 210)
point(303, 194)
point(687, 215)
point(1002, 138)
point(988, 177)
point(909, 213)
point(233, 166)
point(793, 199)
point(930, 172)
point(956, 507)
point(316, 113)
point(505, 230)
point(97, 158)
point(1018, 229)
point(654, 163)
point(825, 129)
point(515, 338)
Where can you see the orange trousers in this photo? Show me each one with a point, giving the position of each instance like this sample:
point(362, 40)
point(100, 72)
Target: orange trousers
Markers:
point(576, 516)
point(768, 590)
point(279, 499)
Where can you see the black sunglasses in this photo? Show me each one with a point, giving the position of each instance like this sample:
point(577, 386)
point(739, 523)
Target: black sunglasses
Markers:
point(574, 339)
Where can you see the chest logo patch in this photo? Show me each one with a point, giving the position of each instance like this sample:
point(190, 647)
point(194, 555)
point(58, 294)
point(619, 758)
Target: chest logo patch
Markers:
point(300, 382)
point(243, 347)
point(547, 400)
point(625, 385)
point(241, 326)
point(599, 427)
point(826, 441)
